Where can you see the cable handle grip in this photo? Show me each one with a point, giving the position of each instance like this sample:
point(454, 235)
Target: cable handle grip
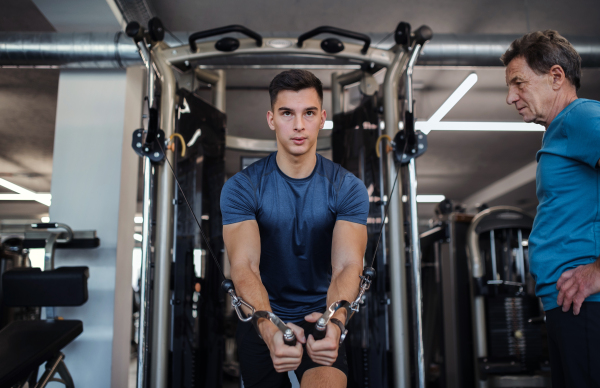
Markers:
point(223, 30)
point(320, 329)
point(336, 31)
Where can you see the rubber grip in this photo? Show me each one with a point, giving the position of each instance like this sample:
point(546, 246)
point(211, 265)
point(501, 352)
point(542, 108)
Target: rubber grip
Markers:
point(319, 334)
point(290, 342)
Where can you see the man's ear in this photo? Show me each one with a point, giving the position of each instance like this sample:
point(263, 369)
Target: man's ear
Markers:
point(323, 118)
point(270, 118)
point(558, 76)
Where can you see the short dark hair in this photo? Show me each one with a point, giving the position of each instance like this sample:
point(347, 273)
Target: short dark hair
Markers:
point(295, 80)
point(544, 49)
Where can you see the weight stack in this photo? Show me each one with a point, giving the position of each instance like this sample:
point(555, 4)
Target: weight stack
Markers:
point(513, 343)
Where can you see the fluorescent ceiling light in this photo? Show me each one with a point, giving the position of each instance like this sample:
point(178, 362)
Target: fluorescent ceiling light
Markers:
point(328, 124)
point(430, 198)
point(43, 198)
point(455, 97)
point(138, 220)
point(25, 195)
point(426, 126)
point(137, 237)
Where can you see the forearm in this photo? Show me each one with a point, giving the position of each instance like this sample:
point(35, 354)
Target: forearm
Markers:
point(249, 287)
point(344, 285)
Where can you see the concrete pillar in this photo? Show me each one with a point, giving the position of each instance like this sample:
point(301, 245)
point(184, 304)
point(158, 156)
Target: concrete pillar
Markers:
point(94, 187)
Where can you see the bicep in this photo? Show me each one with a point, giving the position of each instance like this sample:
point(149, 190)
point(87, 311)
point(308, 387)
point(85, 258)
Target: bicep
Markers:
point(348, 245)
point(242, 241)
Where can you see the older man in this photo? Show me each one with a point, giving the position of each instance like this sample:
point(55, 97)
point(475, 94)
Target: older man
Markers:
point(543, 74)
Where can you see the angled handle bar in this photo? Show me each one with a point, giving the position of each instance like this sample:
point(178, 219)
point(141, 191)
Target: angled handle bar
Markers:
point(223, 30)
point(336, 31)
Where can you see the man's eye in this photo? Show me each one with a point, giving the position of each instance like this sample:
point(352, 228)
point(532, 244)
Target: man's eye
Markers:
point(286, 113)
point(310, 113)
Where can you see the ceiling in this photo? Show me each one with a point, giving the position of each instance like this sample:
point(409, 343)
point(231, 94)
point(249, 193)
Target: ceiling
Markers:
point(457, 163)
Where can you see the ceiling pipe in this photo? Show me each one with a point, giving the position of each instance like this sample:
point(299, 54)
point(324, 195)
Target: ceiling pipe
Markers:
point(116, 50)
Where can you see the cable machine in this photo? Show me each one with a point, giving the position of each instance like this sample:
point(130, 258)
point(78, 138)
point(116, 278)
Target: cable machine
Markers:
point(170, 66)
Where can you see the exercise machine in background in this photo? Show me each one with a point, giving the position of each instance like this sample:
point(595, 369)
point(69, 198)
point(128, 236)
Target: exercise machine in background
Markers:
point(484, 327)
point(28, 341)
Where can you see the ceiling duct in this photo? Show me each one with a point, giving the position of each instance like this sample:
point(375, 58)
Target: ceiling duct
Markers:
point(135, 11)
point(68, 50)
point(108, 50)
point(486, 50)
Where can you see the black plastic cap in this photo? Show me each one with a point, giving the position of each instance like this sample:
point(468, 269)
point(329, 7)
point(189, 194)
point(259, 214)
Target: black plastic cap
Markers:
point(369, 272)
point(227, 44)
point(423, 34)
point(156, 29)
point(402, 34)
point(135, 31)
point(227, 285)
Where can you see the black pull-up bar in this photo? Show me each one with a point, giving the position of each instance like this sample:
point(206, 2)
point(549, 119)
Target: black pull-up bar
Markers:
point(336, 31)
point(223, 30)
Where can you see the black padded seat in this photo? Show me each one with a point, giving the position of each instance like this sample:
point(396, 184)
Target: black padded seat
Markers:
point(25, 345)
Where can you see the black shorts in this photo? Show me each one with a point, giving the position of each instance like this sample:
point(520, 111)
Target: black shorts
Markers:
point(574, 344)
point(256, 364)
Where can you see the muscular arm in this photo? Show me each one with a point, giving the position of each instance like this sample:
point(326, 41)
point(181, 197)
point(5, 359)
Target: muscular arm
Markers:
point(347, 251)
point(242, 241)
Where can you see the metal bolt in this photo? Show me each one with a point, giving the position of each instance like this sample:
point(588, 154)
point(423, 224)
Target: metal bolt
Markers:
point(321, 322)
point(139, 134)
point(288, 332)
point(146, 149)
point(420, 136)
point(138, 145)
point(156, 154)
point(420, 146)
point(412, 151)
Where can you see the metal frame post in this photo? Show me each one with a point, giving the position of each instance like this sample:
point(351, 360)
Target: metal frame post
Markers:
point(217, 80)
point(397, 256)
point(415, 243)
point(163, 247)
point(145, 272)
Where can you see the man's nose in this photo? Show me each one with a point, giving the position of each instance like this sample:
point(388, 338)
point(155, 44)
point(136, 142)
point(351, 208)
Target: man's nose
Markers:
point(512, 97)
point(299, 123)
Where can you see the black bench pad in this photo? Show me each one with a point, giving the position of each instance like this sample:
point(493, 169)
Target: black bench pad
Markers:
point(25, 345)
point(64, 286)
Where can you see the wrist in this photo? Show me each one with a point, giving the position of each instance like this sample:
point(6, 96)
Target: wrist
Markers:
point(267, 328)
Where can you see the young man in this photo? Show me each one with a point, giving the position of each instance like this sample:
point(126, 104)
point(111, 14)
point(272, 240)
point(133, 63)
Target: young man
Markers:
point(543, 74)
point(295, 232)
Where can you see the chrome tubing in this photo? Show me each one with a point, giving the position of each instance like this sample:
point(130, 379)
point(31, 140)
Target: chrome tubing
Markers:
point(163, 247)
point(145, 271)
point(397, 257)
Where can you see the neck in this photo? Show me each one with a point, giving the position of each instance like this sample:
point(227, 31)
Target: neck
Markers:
point(561, 101)
point(296, 166)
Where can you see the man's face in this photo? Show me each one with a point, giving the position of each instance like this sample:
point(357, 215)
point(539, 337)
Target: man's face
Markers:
point(296, 119)
point(531, 93)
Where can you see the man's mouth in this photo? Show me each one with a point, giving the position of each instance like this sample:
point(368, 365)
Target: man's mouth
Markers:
point(298, 140)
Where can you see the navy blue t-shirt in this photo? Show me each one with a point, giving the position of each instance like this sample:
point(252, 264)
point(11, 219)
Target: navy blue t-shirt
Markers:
point(296, 218)
point(566, 230)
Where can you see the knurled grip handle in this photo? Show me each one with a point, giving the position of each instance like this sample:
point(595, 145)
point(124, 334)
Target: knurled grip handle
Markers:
point(319, 334)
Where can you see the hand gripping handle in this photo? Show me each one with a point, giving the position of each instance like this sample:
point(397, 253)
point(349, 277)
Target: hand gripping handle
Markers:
point(289, 338)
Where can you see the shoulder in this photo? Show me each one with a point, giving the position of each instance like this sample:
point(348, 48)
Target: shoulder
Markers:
point(584, 109)
point(255, 172)
point(335, 174)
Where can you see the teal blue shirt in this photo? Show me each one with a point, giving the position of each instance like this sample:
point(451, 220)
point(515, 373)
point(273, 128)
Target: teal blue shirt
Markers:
point(566, 230)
